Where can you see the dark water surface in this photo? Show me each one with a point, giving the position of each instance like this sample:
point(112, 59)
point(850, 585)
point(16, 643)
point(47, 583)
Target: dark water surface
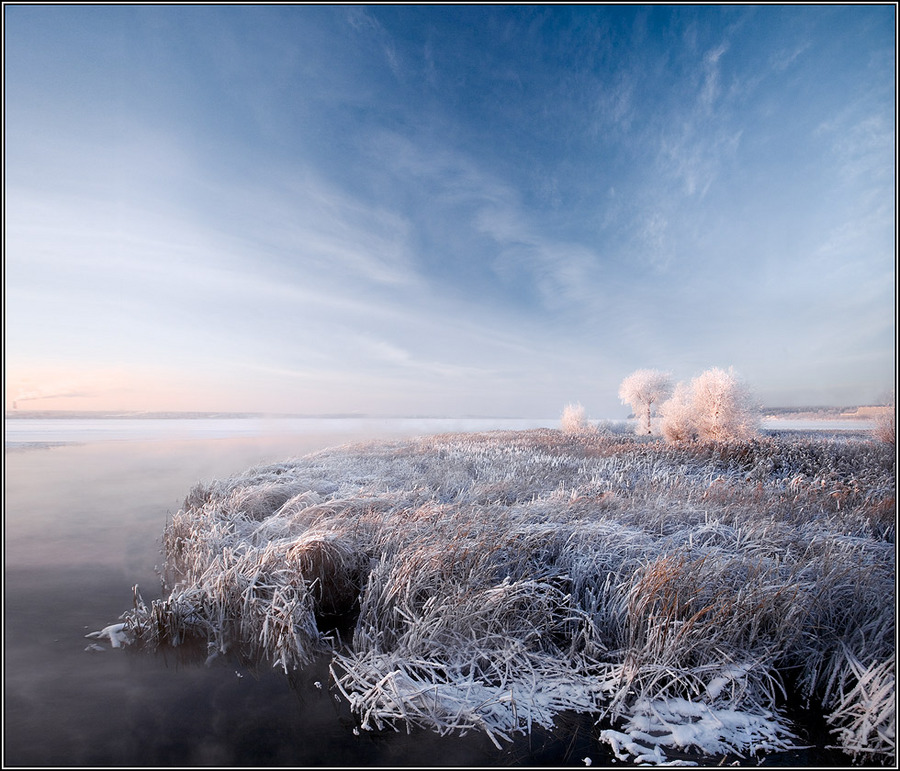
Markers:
point(83, 525)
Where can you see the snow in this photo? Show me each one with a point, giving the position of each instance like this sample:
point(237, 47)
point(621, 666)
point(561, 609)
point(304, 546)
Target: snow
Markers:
point(717, 684)
point(115, 633)
point(682, 724)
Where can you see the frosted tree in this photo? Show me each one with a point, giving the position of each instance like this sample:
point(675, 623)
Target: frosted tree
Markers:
point(678, 421)
point(573, 420)
point(722, 406)
point(644, 390)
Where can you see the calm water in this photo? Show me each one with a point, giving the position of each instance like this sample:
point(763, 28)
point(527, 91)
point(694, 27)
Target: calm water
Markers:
point(83, 522)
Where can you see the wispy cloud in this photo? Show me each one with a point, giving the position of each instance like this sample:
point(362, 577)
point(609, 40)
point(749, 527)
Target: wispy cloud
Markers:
point(784, 58)
point(710, 90)
point(561, 274)
point(447, 206)
point(862, 144)
point(564, 275)
point(305, 222)
point(695, 157)
point(614, 107)
point(48, 392)
point(366, 24)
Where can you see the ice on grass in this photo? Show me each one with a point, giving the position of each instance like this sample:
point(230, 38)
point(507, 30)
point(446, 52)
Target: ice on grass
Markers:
point(677, 723)
point(490, 582)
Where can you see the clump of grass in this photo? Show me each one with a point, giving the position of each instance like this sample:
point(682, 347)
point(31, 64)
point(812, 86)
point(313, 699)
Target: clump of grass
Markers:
point(885, 422)
point(493, 581)
point(574, 419)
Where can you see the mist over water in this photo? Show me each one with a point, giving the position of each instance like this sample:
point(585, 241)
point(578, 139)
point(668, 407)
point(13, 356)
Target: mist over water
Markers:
point(312, 432)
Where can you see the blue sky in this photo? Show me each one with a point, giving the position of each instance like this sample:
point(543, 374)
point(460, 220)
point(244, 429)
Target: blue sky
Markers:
point(446, 210)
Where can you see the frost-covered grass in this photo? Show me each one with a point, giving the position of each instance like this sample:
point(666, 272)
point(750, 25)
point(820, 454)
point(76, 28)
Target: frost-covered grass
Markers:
point(682, 593)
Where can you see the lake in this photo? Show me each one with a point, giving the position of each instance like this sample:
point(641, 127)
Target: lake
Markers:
point(86, 502)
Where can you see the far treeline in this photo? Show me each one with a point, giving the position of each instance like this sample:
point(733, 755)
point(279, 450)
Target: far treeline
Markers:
point(715, 406)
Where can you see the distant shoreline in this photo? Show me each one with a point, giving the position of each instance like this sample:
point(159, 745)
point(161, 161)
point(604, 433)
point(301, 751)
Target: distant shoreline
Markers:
point(863, 412)
point(860, 412)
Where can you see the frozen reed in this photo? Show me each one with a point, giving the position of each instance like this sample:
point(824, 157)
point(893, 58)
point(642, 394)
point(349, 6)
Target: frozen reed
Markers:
point(681, 592)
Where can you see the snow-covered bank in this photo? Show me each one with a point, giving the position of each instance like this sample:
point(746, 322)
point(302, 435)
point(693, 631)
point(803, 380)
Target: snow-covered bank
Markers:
point(491, 581)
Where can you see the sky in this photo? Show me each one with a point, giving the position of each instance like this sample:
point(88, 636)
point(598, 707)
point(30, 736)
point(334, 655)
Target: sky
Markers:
point(445, 210)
